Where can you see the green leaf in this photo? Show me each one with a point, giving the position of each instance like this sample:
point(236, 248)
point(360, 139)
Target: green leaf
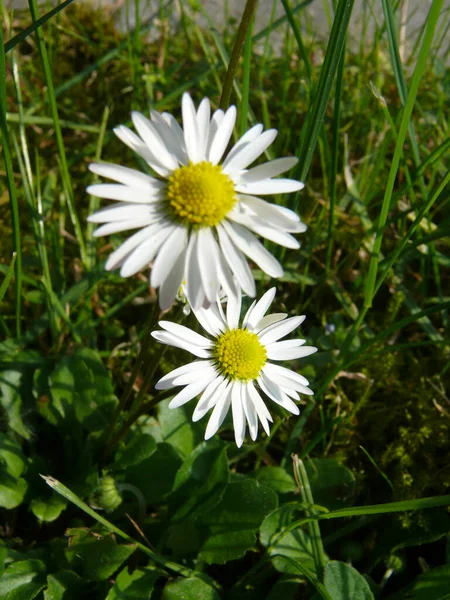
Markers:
point(232, 524)
point(81, 390)
point(11, 401)
point(276, 478)
point(140, 447)
point(12, 464)
point(22, 580)
point(64, 585)
point(48, 508)
point(432, 585)
point(137, 585)
point(191, 588)
point(274, 523)
point(332, 484)
point(201, 480)
point(343, 582)
point(11, 456)
point(95, 557)
point(183, 539)
point(155, 475)
point(177, 428)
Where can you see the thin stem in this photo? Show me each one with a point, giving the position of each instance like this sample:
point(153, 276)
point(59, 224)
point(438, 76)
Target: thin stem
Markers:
point(247, 16)
point(134, 373)
point(314, 530)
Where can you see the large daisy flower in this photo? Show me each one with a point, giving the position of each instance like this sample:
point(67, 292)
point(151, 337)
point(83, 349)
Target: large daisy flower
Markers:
point(197, 218)
point(235, 364)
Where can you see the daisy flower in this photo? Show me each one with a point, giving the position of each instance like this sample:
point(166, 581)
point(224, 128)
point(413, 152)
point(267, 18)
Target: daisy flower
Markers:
point(235, 364)
point(197, 218)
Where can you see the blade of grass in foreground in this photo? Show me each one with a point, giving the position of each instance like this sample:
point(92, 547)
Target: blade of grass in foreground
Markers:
point(11, 186)
point(321, 93)
point(8, 276)
point(158, 559)
point(59, 138)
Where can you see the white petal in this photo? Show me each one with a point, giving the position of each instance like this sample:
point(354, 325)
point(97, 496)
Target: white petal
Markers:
point(219, 413)
point(216, 120)
point(124, 193)
point(249, 245)
point(279, 330)
point(196, 366)
point(121, 211)
point(288, 373)
point(250, 152)
point(278, 216)
point(206, 256)
point(237, 263)
point(285, 382)
point(223, 135)
point(277, 395)
point(116, 226)
point(190, 127)
point(261, 228)
point(271, 186)
point(269, 169)
point(172, 282)
point(250, 412)
point(249, 136)
point(264, 415)
point(168, 255)
point(149, 134)
point(234, 308)
point(208, 374)
point(134, 142)
point(170, 340)
point(289, 353)
point(210, 397)
point(170, 134)
point(203, 114)
point(194, 288)
point(186, 334)
point(238, 413)
point(125, 175)
point(144, 253)
point(116, 257)
point(255, 315)
point(210, 319)
point(269, 320)
point(247, 314)
point(189, 392)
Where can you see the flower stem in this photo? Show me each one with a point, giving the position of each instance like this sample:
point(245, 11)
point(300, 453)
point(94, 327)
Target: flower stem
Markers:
point(302, 480)
point(247, 16)
point(129, 387)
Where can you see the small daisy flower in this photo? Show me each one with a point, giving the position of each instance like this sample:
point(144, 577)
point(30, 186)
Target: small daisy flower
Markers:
point(196, 219)
point(235, 364)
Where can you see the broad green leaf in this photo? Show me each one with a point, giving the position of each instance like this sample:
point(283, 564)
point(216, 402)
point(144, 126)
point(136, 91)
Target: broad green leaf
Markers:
point(332, 484)
point(232, 525)
point(177, 428)
point(12, 490)
point(183, 539)
point(155, 475)
point(95, 557)
point(11, 401)
point(201, 480)
point(48, 508)
point(432, 585)
point(81, 390)
point(137, 585)
point(274, 523)
point(64, 585)
point(191, 588)
point(11, 456)
point(343, 582)
point(276, 478)
point(287, 589)
point(140, 447)
point(22, 580)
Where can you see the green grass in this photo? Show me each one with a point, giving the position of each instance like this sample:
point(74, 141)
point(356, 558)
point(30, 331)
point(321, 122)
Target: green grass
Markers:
point(370, 490)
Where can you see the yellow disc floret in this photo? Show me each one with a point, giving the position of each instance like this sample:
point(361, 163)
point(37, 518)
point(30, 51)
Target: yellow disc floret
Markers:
point(200, 195)
point(239, 354)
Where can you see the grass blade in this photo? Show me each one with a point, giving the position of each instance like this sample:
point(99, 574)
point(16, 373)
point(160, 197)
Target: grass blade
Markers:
point(7, 279)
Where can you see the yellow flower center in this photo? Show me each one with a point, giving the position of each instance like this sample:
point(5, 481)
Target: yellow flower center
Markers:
point(240, 354)
point(200, 195)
